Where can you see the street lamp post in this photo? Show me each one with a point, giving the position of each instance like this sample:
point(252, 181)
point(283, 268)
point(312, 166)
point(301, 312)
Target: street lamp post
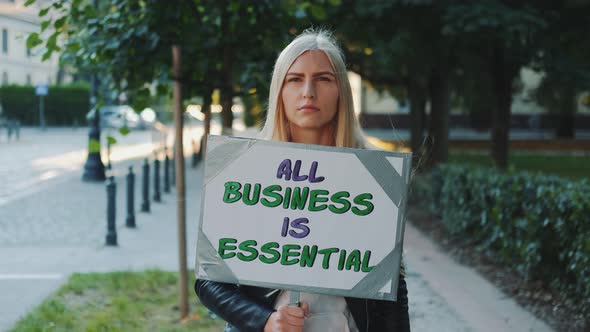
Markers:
point(94, 168)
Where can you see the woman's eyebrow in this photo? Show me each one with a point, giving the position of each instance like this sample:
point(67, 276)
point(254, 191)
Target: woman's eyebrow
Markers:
point(314, 74)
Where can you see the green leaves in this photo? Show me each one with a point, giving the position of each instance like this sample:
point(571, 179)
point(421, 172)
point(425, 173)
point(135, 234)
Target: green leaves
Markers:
point(532, 222)
point(44, 11)
point(318, 12)
point(124, 131)
point(59, 23)
point(111, 140)
point(33, 40)
point(45, 25)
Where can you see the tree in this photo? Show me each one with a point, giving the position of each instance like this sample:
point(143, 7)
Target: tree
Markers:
point(401, 46)
point(564, 63)
point(504, 36)
point(130, 42)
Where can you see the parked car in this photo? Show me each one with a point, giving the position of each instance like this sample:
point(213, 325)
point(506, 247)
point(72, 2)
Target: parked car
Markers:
point(118, 116)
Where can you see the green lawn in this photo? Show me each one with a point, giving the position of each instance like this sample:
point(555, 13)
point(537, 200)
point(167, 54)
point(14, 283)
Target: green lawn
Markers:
point(574, 166)
point(119, 301)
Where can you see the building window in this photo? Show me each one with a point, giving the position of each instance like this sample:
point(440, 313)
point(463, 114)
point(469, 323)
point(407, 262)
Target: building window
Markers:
point(4, 78)
point(4, 41)
point(29, 79)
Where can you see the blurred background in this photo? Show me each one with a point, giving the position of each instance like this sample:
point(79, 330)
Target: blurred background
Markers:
point(492, 97)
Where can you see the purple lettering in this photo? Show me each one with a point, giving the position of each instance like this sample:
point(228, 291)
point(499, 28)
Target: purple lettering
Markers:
point(312, 171)
point(299, 224)
point(284, 169)
point(296, 170)
point(285, 227)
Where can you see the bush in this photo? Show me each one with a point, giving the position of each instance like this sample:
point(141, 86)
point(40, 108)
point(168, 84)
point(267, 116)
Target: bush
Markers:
point(64, 104)
point(538, 224)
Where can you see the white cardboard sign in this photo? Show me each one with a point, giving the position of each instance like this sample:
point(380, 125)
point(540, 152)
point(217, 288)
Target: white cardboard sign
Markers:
point(303, 217)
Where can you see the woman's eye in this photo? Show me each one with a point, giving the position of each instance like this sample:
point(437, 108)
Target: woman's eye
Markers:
point(294, 79)
point(324, 78)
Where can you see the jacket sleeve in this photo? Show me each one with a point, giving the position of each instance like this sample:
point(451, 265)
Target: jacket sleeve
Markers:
point(231, 304)
point(392, 316)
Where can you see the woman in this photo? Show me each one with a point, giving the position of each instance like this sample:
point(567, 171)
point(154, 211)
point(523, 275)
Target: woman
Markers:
point(310, 102)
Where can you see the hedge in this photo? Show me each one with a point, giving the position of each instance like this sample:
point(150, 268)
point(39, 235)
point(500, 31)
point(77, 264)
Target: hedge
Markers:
point(64, 104)
point(536, 223)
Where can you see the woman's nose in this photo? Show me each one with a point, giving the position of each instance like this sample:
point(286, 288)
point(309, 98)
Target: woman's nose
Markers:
point(309, 90)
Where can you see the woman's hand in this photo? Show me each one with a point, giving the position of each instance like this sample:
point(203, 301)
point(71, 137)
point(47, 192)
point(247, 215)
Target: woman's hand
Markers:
point(287, 319)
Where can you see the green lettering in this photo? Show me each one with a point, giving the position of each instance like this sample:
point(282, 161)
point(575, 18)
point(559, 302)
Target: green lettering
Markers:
point(341, 260)
point(287, 253)
point(255, 196)
point(287, 198)
point(299, 198)
point(315, 198)
point(354, 260)
point(366, 257)
point(340, 198)
point(327, 253)
point(308, 255)
point(224, 245)
point(247, 247)
point(270, 191)
point(270, 248)
point(363, 200)
point(232, 188)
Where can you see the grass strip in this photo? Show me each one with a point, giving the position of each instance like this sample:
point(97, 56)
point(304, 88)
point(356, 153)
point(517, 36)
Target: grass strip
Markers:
point(119, 301)
point(573, 166)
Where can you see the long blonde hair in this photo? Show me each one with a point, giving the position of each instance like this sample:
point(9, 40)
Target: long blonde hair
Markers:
point(347, 129)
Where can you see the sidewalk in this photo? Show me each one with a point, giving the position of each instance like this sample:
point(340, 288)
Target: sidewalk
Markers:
point(49, 234)
point(59, 241)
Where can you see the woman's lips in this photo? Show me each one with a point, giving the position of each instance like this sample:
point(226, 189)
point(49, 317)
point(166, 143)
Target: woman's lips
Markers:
point(308, 108)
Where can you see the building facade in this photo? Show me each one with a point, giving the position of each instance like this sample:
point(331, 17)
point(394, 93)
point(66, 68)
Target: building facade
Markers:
point(18, 64)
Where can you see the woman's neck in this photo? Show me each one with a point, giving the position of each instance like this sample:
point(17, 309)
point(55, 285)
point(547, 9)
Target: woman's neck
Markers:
point(319, 136)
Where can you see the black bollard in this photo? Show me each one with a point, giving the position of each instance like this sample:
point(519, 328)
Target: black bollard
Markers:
point(157, 194)
point(111, 239)
point(201, 148)
point(130, 221)
point(195, 156)
point(173, 168)
point(109, 166)
point(166, 172)
point(145, 187)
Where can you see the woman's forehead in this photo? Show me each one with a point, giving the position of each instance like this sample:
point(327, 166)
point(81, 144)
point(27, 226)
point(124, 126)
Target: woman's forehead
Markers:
point(311, 61)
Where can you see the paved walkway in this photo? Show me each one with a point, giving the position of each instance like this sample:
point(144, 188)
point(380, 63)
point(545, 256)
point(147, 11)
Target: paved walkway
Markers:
point(47, 234)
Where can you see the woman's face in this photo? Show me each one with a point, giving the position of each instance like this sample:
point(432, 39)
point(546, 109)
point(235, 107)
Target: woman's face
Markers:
point(310, 92)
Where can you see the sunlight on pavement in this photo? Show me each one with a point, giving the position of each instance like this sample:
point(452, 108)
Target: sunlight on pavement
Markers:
point(29, 276)
point(70, 160)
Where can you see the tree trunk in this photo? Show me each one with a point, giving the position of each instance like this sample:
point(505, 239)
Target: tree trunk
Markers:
point(417, 94)
point(207, 123)
point(180, 182)
point(565, 122)
point(503, 75)
point(226, 97)
point(439, 88)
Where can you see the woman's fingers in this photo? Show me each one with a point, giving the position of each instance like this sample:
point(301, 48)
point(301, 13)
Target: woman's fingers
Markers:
point(288, 318)
point(305, 307)
point(293, 315)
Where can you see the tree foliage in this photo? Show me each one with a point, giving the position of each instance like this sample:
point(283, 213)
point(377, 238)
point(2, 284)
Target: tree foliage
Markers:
point(428, 52)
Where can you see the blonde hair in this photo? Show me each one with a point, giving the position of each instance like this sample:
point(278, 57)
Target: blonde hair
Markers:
point(347, 130)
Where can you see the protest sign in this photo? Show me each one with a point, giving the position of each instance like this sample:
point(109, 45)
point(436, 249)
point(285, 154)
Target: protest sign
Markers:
point(303, 217)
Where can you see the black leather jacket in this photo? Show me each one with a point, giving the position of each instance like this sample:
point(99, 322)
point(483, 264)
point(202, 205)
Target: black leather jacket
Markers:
point(248, 307)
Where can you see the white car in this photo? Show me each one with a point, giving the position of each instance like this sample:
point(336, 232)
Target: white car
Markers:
point(118, 116)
